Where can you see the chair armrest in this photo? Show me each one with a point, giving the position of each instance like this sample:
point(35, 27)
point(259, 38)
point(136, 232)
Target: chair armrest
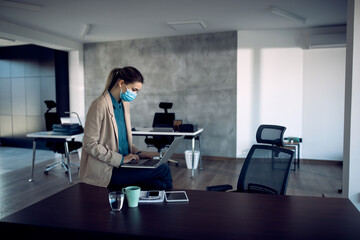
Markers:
point(219, 188)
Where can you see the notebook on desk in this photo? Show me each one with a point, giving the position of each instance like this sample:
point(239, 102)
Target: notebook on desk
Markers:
point(154, 163)
point(153, 129)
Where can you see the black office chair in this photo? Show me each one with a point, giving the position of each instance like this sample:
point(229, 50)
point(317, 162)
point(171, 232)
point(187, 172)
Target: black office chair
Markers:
point(162, 120)
point(266, 168)
point(52, 118)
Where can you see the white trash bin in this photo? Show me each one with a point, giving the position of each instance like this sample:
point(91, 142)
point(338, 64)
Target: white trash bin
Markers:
point(188, 158)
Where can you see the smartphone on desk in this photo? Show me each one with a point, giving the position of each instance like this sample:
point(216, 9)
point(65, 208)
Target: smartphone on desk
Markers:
point(151, 195)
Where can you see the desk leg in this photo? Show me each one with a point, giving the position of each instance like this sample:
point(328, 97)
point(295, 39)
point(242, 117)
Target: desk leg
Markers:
point(295, 160)
point(201, 166)
point(298, 163)
point(193, 156)
point(33, 162)
point(68, 160)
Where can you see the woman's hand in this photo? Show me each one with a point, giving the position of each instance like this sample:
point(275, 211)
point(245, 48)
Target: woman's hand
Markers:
point(131, 157)
point(148, 155)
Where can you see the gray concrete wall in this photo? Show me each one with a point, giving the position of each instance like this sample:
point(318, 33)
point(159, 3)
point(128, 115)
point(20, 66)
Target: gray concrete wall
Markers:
point(195, 72)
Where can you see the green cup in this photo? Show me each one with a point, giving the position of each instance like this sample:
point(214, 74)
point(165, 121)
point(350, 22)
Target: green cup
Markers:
point(132, 195)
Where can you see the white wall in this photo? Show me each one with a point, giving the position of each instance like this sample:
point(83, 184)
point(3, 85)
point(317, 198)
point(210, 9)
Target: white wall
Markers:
point(76, 83)
point(280, 83)
point(281, 88)
point(323, 101)
point(351, 166)
point(77, 86)
point(269, 84)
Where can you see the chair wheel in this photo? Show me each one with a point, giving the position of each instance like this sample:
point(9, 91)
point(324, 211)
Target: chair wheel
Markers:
point(66, 172)
point(177, 164)
point(46, 172)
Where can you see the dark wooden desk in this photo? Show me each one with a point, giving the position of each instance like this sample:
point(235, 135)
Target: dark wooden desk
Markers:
point(82, 212)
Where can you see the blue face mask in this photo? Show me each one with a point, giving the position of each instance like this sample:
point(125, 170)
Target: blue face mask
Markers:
point(128, 96)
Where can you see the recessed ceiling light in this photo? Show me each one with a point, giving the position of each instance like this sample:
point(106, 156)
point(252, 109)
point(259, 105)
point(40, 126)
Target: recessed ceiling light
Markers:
point(288, 15)
point(187, 25)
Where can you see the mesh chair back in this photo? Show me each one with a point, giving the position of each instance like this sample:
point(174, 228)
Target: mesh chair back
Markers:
point(164, 120)
point(266, 170)
point(271, 134)
point(51, 118)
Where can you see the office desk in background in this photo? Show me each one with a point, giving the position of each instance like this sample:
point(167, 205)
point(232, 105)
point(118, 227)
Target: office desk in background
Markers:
point(188, 135)
point(85, 214)
point(50, 136)
point(295, 146)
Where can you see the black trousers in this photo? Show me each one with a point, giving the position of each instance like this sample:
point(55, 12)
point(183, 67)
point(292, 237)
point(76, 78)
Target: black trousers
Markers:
point(159, 178)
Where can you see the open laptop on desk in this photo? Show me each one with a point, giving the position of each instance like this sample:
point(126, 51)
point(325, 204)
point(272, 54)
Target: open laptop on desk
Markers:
point(154, 163)
point(161, 129)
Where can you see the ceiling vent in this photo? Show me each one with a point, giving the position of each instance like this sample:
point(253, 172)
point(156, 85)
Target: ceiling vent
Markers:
point(84, 30)
point(190, 25)
point(333, 40)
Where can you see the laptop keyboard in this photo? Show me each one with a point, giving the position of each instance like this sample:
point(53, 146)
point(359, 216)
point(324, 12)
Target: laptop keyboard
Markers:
point(150, 162)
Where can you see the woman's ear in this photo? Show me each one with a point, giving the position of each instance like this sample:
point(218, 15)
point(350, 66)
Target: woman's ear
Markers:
point(121, 82)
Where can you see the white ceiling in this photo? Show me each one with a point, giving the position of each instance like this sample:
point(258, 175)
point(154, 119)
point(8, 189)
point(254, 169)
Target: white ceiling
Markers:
point(112, 20)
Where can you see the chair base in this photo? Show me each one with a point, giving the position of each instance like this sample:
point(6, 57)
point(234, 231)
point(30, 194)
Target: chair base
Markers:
point(173, 161)
point(169, 161)
point(62, 163)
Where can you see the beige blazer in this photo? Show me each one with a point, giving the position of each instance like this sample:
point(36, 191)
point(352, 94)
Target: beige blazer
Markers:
point(100, 151)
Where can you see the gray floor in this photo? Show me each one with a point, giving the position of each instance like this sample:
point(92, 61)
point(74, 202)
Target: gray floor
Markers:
point(15, 158)
point(16, 192)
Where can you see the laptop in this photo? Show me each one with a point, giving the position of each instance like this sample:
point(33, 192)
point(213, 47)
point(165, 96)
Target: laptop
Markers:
point(162, 129)
point(154, 163)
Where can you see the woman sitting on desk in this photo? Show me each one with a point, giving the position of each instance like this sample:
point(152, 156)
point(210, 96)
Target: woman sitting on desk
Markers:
point(108, 139)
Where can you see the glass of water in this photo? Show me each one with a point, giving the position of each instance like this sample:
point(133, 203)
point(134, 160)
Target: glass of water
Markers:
point(116, 200)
